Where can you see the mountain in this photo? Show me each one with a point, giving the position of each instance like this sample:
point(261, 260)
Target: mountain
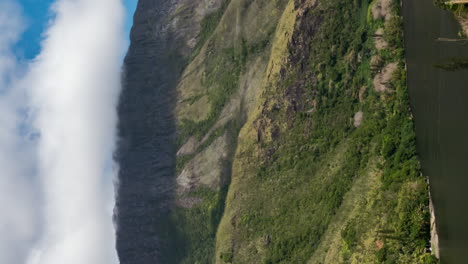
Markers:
point(268, 131)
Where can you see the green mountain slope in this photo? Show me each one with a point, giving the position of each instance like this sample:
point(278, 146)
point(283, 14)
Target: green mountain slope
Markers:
point(295, 140)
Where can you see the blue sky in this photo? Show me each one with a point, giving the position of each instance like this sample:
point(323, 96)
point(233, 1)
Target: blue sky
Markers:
point(36, 14)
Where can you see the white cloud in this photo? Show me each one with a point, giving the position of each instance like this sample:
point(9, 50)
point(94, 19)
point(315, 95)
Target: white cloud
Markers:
point(57, 191)
point(74, 85)
point(19, 213)
point(18, 224)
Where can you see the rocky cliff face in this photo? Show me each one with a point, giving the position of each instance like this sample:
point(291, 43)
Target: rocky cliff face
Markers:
point(250, 133)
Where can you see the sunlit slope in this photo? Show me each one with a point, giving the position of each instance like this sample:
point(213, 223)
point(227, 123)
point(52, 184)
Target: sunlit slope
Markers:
point(288, 136)
point(216, 93)
point(325, 169)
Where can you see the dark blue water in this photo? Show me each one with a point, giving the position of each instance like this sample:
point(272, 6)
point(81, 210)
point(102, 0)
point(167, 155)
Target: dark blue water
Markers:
point(439, 100)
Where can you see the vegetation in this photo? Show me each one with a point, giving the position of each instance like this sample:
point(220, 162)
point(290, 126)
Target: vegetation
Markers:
point(306, 154)
point(446, 5)
point(223, 69)
point(208, 26)
point(453, 64)
point(456, 8)
point(190, 232)
point(299, 156)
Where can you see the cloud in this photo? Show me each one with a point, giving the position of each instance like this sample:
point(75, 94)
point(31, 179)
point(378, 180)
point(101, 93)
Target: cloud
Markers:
point(11, 26)
point(18, 224)
point(57, 187)
point(74, 87)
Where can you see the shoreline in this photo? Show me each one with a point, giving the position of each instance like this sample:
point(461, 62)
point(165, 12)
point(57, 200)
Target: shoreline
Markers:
point(433, 225)
point(434, 239)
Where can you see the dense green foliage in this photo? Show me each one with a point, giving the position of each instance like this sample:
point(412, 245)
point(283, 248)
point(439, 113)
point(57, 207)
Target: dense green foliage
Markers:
point(199, 225)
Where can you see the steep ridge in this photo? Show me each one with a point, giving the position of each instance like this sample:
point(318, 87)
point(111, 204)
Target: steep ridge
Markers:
point(160, 45)
point(268, 131)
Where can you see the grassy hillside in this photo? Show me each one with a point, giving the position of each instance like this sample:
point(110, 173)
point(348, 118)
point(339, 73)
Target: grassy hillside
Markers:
point(295, 139)
point(298, 192)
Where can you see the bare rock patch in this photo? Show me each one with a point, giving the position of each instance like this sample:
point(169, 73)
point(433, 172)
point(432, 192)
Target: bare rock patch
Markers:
point(189, 147)
point(358, 119)
point(382, 9)
point(206, 169)
point(380, 42)
point(382, 79)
